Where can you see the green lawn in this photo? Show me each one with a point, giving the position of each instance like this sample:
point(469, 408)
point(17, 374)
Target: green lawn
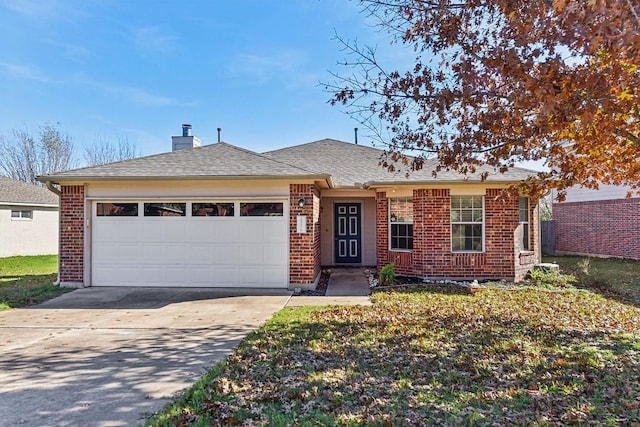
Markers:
point(27, 280)
point(611, 275)
point(431, 356)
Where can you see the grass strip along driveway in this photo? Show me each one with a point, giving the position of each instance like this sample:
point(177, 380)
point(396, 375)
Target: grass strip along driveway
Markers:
point(431, 356)
point(27, 280)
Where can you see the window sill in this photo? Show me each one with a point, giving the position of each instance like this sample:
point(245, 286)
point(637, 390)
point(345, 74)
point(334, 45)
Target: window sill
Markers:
point(467, 252)
point(527, 253)
point(401, 250)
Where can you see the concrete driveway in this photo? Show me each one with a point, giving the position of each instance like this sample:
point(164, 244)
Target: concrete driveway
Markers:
point(113, 356)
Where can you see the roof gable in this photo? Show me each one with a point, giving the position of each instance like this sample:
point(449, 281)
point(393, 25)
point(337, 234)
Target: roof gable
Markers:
point(13, 191)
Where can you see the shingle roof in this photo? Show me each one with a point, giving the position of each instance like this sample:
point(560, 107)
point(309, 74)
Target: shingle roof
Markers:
point(341, 163)
point(216, 160)
point(353, 165)
point(12, 191)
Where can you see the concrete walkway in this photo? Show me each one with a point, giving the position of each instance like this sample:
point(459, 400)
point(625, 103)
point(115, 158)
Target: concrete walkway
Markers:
point(348, 281)
point(347, 286)
point(112, 356)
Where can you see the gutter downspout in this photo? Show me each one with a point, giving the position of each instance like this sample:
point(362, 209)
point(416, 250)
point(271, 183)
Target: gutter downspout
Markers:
point(51, 188)
point(56, 191)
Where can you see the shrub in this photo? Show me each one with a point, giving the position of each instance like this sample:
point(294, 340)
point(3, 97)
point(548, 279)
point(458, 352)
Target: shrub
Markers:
point(387, 274)
point(551, 279)
point(585, 266)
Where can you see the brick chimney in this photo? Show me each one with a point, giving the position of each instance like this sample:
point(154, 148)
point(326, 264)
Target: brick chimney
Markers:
point(187, 140)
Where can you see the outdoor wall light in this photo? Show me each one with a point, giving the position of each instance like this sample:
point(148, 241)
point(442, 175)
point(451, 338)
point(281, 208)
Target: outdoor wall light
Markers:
point(301, 202)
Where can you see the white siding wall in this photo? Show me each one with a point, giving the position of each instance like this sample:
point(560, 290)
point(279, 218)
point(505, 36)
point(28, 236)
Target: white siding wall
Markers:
point(189, 189)
point(606, 192)
point(36, 236)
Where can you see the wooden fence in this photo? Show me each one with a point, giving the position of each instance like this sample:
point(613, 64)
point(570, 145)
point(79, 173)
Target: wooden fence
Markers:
point(548, 237)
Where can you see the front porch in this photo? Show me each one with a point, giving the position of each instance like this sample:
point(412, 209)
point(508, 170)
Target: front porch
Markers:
point(348, 228)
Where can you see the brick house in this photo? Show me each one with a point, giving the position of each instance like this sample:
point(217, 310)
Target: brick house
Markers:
point(219, 215)
point(603, 222)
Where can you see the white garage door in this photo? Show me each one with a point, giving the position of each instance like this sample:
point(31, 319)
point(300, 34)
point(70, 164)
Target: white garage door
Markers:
point(196, 244)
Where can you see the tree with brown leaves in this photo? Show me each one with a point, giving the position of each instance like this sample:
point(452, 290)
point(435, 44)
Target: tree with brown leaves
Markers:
point(498, 82)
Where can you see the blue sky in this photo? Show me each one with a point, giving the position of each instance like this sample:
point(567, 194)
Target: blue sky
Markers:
point(138, 69)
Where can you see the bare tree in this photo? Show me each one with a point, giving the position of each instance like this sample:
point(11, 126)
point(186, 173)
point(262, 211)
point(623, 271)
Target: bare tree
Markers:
point(546, 207)
point(103, 152)
point(24, 157)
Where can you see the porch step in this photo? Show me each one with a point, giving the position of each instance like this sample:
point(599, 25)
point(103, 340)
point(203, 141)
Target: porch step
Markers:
point(547, 266)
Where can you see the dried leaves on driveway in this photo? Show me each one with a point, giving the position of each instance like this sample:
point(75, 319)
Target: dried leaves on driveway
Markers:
point(432, 357)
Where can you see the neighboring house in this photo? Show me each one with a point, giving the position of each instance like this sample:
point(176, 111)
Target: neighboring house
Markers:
point(601, 222)
point(220, 215)
point(28, 219)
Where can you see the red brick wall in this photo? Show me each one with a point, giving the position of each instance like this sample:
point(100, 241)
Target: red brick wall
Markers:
point(432, 232)
point(432, 255)
point(72, 234)
point(304, 248)
point(317, 266)
point(502, 219)
point(603, 227)
point(382, 229)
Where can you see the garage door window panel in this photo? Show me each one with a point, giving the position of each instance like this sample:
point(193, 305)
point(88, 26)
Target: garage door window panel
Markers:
point(117, 209)
point(212, 209)
point(261, 209)
point(165, 209)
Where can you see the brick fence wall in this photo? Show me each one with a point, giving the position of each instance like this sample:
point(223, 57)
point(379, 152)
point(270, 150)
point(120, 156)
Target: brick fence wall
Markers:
point(72, 234)
point(601, 228)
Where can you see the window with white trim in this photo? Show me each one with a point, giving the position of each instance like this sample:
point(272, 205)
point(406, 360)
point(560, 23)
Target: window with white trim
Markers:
point(467, 223)
point(524, 223)
point(401, 223)
point(25, 214)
